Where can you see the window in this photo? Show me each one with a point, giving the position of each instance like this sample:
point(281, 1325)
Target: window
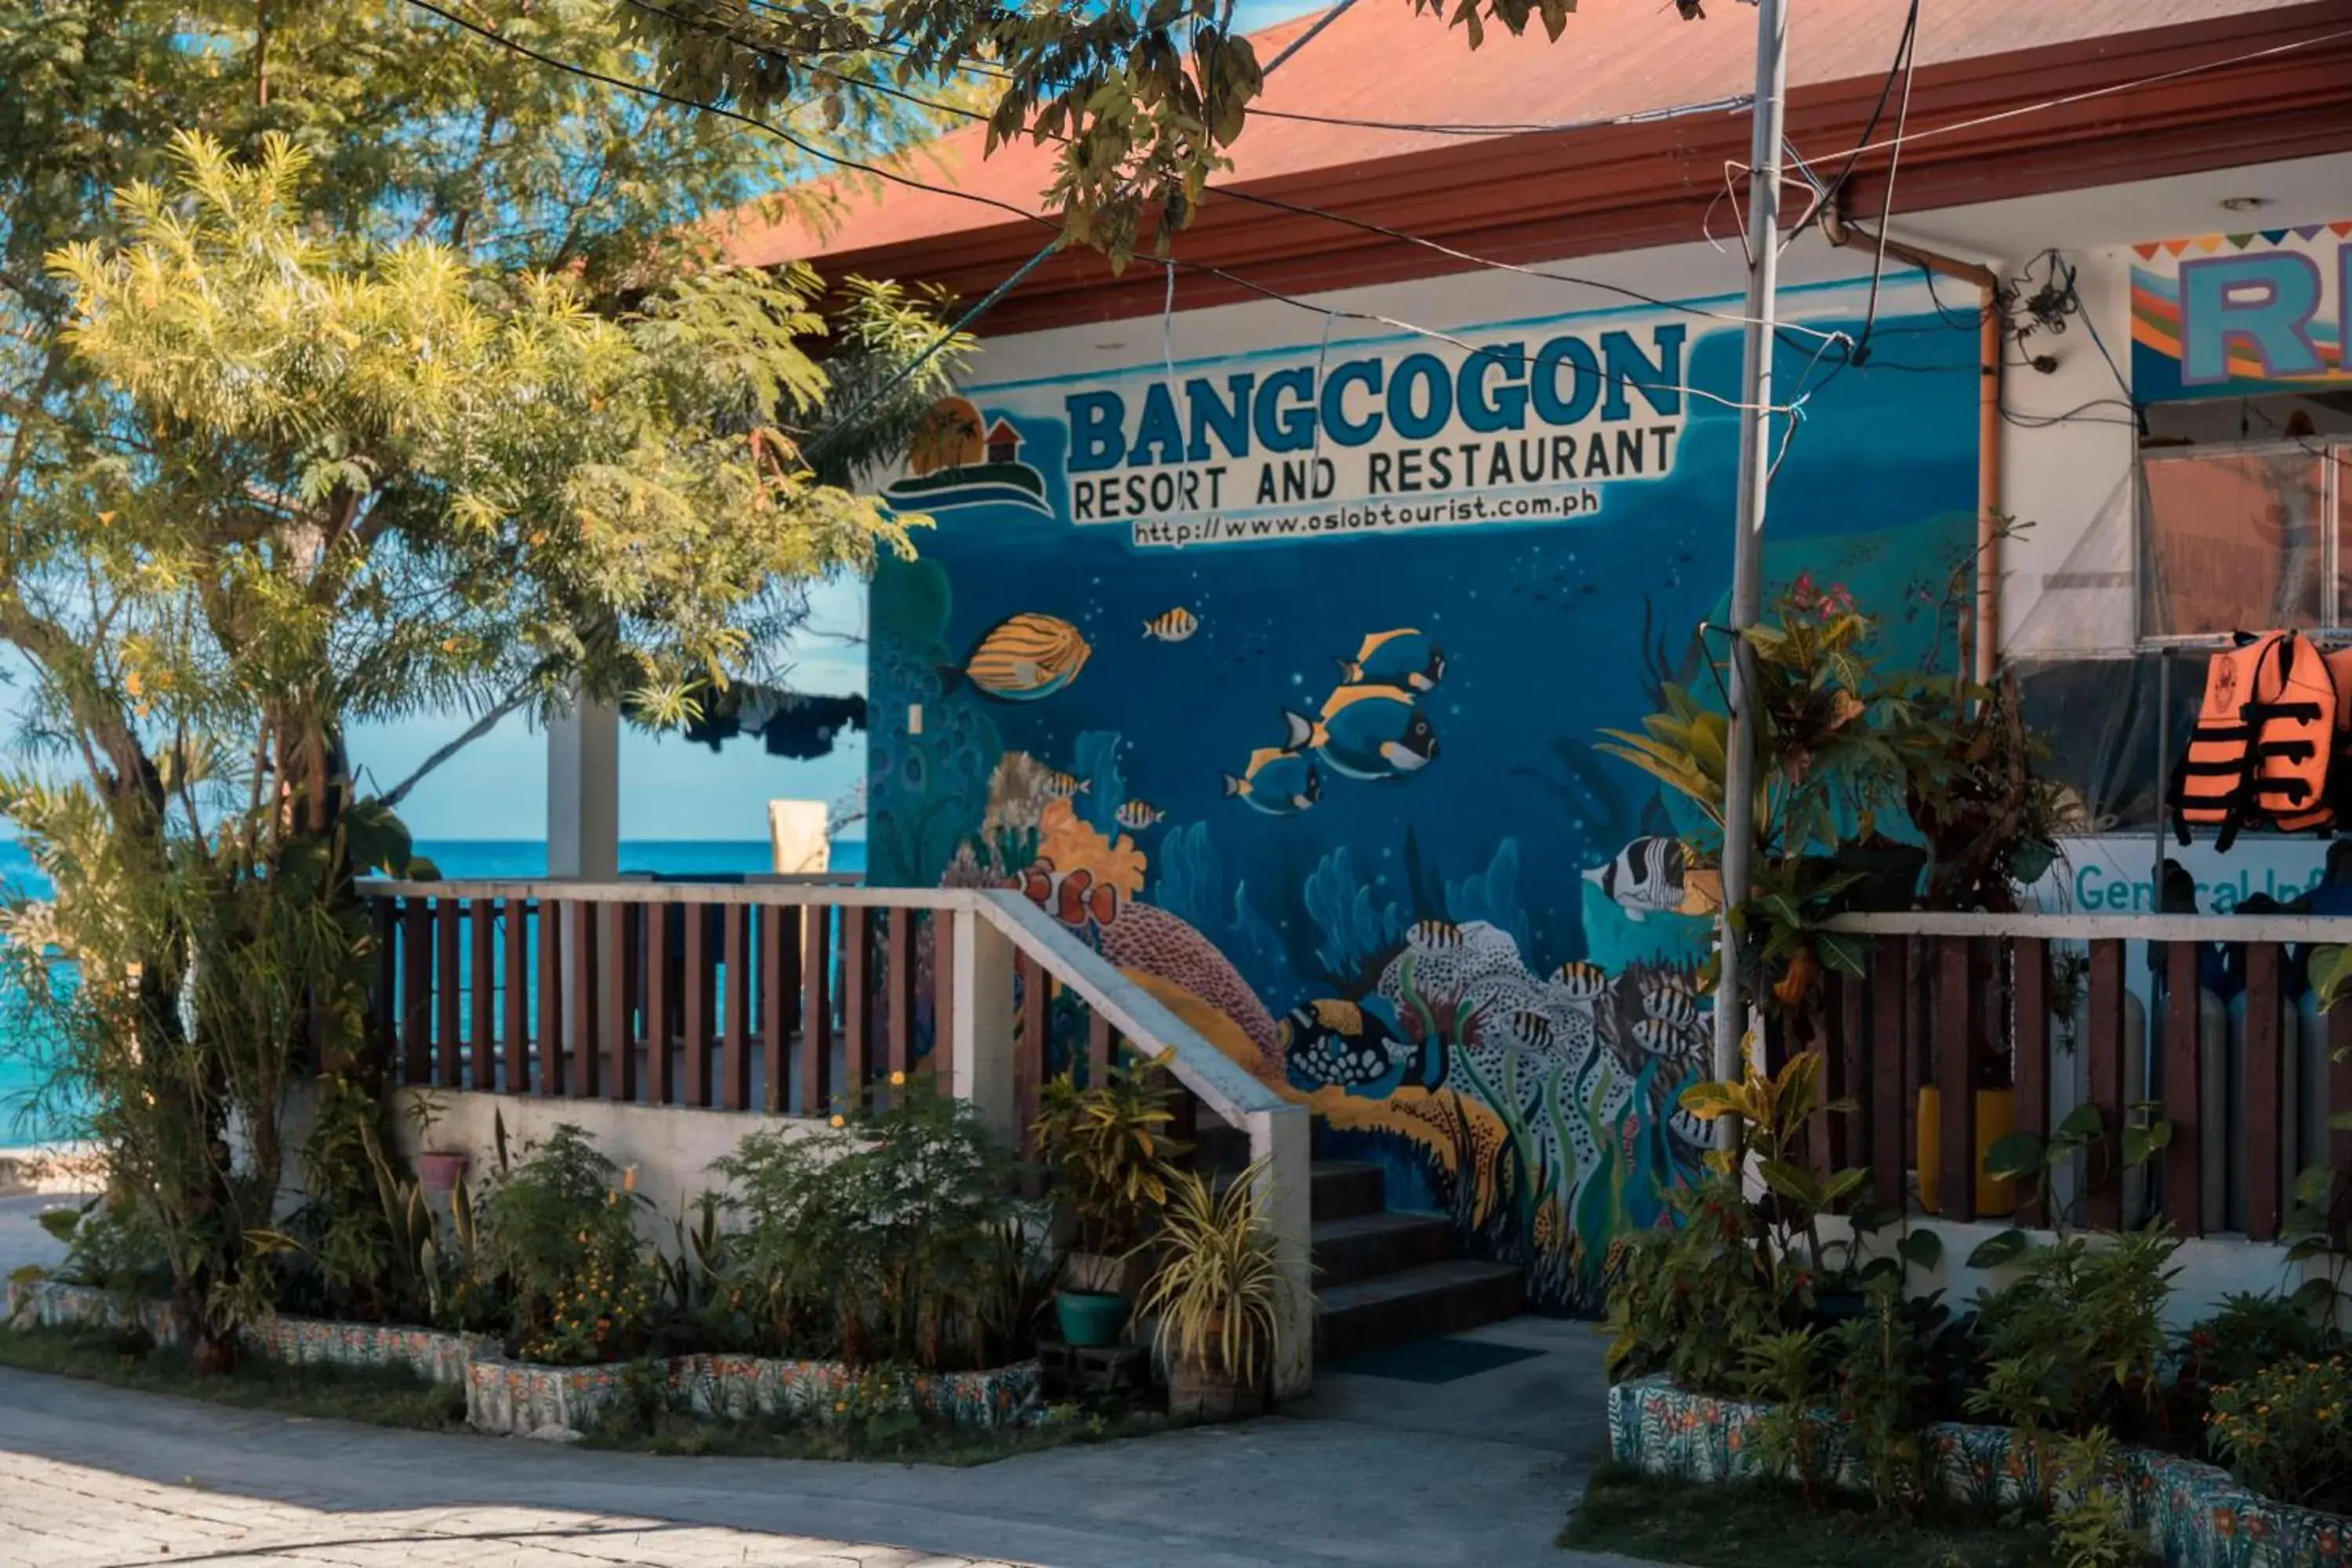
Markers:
point(2240, 538)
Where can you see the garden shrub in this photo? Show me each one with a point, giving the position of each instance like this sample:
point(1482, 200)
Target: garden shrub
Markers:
point(1690, 1300)
point(2286, 1431)
point(890, 1237)
point(557, 1233)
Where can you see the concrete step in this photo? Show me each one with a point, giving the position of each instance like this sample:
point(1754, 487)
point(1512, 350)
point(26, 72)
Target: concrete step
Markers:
point(1344, 1189)
point(1412, 1304)
point(1363, 1246)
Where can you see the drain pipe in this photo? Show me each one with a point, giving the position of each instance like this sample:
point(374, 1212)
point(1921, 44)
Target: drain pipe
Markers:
point(1986, 617)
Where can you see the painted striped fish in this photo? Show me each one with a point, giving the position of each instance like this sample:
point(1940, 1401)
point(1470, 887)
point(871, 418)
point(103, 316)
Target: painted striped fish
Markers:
point(1021, 658)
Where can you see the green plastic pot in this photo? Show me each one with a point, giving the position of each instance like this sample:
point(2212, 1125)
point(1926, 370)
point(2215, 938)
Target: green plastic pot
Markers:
point(1090, 1318)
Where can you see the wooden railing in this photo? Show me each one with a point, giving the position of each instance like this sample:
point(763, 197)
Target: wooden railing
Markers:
point(2203, 1023)
point(794, 999)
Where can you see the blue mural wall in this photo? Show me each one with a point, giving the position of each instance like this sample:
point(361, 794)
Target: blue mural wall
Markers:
point(1278, 678)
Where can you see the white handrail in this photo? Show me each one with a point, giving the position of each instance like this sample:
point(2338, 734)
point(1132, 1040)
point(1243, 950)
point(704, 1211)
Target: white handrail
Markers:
point(2307, 929)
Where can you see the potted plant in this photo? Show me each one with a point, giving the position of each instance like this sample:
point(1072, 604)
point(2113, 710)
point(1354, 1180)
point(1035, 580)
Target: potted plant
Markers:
point(1220, 1297)
point(1111, 1154)
point(437, 1170)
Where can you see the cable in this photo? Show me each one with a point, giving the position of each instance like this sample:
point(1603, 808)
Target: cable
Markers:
point(2087, 94)
point(1894, 166)
point(1253, 198)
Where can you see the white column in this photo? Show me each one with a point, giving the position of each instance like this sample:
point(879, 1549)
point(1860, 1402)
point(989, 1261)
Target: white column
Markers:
point(584, 793)
point(1281, 1140)
point(981, 1031)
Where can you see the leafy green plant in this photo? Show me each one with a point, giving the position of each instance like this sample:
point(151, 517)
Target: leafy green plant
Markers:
point(1792, 1433)
point(1110, 1151)
point(1882, 1391)
point(1775, 1116)
point(2090, 1521)
point(881, 1239)
point(2286, 1431)
point(2075, 1340)
point(2033, 1160)
point(557, 1231)
point(1689, 1298)
point(1221, 1295)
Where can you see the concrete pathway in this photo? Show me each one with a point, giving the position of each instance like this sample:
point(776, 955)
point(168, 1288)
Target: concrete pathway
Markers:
point(1370, 1473)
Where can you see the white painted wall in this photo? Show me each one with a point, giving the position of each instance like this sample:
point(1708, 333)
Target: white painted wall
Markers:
point(2211, 1267)
point(670, 1147)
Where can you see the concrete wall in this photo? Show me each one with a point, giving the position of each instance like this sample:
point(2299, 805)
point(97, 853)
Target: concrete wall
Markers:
point(671, 1148)
point(2211, 1267)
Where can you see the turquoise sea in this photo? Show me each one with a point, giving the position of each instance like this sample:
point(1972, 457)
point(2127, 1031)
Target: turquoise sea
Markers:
point(458, 858)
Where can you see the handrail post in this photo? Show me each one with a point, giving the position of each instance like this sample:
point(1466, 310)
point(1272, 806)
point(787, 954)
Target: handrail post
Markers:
point(980, 1026)
point(1280, 1139)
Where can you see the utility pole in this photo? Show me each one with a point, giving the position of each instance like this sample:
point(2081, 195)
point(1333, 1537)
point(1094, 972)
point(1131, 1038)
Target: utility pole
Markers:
point(1747, 544)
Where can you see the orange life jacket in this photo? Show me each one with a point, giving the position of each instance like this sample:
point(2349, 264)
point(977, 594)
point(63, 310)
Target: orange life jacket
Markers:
point(2263, 739)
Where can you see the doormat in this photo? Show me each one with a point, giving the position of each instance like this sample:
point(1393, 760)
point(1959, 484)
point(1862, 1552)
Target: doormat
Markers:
point(1432, 1361)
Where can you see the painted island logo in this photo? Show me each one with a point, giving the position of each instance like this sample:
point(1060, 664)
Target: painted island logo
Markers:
point(957, 459)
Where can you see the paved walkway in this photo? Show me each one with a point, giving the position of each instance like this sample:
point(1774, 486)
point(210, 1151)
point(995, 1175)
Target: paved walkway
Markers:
point(1370, 1473)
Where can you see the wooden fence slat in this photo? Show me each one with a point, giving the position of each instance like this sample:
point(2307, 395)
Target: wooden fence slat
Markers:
point(1954, 1031)
point(735, 1055)
point(1100, 1046)
point(816, 1009)
point(517, 996)
point(2184, 1159)
point(857, 1007)
point(661, 1003)
point(416, 992)
point(448, 995)
point(2031, 1067)
point(2265, 1124)
point(1889, 1001)
point(2103, 1040)
point(942, 988)
point(383, 996)
point(619, 1029)
point(1851, 1057)
point(550, 997)
point(482, 1030)
point(899, 959)
point(780, 999)
point(580, 934)
point(698, 959)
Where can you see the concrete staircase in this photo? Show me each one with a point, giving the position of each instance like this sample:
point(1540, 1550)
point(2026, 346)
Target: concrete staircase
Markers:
point(1383, 1278)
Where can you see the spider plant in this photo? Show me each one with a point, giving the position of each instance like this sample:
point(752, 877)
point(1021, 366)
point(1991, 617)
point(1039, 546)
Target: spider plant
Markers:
point(1221, 1292)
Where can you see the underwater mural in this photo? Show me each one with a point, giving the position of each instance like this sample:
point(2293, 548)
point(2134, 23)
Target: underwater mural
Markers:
point(1276, 678)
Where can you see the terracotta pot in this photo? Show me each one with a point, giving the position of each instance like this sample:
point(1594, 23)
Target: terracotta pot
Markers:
point(440, 1170)
point(1201, 1394)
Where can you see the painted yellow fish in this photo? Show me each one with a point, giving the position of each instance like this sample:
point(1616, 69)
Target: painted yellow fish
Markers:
point(1021, 658)
point(1067, 786)
point(1173, 625)
point(1139, 815)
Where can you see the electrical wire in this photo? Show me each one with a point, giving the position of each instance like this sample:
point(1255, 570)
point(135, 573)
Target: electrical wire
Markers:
point(1251, 286)
point(2111, 89)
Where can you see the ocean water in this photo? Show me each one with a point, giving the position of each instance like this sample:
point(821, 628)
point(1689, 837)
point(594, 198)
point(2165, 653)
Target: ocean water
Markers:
point(458, 858)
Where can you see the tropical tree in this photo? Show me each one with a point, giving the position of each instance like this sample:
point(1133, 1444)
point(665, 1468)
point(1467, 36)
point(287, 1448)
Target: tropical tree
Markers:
point(345, 376)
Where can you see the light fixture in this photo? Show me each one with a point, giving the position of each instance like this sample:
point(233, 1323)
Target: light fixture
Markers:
point(2243, 203)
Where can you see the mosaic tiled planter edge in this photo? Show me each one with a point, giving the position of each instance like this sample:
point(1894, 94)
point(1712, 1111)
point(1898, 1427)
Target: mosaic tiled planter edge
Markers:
point(521, 1398)
point(2195, 1515)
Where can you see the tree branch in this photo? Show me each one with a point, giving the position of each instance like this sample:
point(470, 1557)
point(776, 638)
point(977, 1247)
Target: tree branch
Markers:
point(474, 731)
